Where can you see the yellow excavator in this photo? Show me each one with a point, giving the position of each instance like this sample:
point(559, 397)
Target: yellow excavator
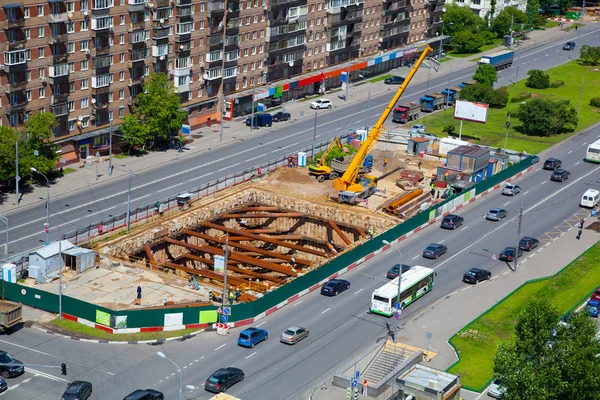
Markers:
point(322, 171)
point(354, 187)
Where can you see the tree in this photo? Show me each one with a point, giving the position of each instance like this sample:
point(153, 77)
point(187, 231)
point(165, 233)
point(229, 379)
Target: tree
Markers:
point(458, 18)
point(486, 75)
point(157, 108)
point(537, 79)
point(589, 55)
point(501, 24)
point(479, 93)
point(134, 132)
point(547, 360)
point(8, 138)
point(546, 117)
point(467, 41)
point(38, 134)
point(533, 13)
point(564, 5)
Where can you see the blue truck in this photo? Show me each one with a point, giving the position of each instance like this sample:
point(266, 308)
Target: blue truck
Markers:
point(432, 102)
point(500, 60)
point(450, 96)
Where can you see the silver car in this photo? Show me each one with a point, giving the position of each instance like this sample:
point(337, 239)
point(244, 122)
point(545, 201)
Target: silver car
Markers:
point(495, 389)
point(511, 190)
point(293, 335)
point(496, 214)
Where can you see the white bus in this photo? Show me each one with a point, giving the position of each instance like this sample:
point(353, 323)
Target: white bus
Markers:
point(415, 283)
point(593, 152)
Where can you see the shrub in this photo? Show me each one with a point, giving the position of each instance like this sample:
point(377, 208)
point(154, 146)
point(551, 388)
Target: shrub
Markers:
point(557, 84)
point(499, 98)
point(595, 102)
point(538, 79)
point(520, 98)
point(449, 129)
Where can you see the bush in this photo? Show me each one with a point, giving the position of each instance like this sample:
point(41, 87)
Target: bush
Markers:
point(522, 97)
point(449, 129)
point(537, 79)
point(498, 98)
point(557, 84)
point(595, 102)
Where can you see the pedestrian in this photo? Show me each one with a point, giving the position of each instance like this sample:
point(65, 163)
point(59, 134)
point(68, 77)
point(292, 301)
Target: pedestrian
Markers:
point(432, 190)
point(579, 234)
point(62, 172)
point(420, 164)
point(385, 160)
point(365, 388)
point(237, 295)
point(371, 231)
point(230, 297)
point(581, 223)
point(576, 28)
point(139, 292)
point(258, 171)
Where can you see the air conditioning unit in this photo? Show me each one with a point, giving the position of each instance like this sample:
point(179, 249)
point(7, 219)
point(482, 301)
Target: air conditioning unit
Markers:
point(162, 21)
point(70, 16)
point(86, 14)
point(87, 52)
point(201, 65)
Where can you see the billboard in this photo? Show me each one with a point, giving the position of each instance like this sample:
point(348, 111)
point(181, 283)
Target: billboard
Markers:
point(467, 111)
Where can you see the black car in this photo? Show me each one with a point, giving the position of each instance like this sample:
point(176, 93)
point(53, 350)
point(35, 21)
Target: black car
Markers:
point(10, 367)
point(508, 254)
point(535, 160)
point(452, 221)
point(552, 163)
point(394, 80)
point(148, 394)
point(281, 116)
point(528, 243)
point(569, 46)
point(434, 250)
point(3, 385)
point(476, 275)
point(223, 378)
point(334, 287)
point(78, 390)
point(559, 175)
point(395, 270)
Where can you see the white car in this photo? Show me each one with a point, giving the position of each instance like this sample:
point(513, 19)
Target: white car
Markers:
point(321, 103)
point(419, 128)
point(495, 390)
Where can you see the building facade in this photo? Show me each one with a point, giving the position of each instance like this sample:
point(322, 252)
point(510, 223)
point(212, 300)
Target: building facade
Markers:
point(483, 8)
point(86, 60)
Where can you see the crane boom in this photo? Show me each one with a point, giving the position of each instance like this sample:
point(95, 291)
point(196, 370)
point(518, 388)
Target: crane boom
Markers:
point(351, 174)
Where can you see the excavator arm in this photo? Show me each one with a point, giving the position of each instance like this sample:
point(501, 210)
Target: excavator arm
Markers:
point(321, 166)
point(351, 174)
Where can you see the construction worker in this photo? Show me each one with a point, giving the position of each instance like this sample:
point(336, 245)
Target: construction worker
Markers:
point(371, 232)
point(385, 160)
point(231, 296)
point(432, 189)
point(237, 295)
point(365, 388)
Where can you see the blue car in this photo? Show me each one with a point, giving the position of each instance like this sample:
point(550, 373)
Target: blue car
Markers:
point(252, 336)
point(335, 286)
point(593, 308)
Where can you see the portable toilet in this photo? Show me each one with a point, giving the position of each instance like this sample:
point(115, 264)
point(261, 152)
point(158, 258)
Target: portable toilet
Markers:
point(362, 134)
point(9, 273)
point(302, 159)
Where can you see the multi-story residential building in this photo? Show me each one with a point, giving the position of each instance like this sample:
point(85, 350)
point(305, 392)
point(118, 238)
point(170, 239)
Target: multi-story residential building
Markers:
point(86, 60)
point(483, 8)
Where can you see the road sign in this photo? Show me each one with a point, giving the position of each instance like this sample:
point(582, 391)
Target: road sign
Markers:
point(224, 318)
point(593, 213)
point(219, 310)
point(396, 305)
point(493, 256)
point(396, 315)
point(354, 383)
point(185, 129)
point(357, 375)
point(429, 336)
point(227, 310)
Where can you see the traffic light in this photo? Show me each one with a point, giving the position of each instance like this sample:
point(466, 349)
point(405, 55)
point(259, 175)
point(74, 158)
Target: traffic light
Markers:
point(355, 393)
point(349, 393)
point(63, 369)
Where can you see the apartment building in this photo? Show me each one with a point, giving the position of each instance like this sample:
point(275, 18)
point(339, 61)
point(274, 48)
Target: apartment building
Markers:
point(86, 60)
point(484, 7)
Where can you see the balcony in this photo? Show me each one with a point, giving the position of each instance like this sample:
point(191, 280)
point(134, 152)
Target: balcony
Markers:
point(60, 38)
point(182, 71)
point(17, 106)
point(57, 99)
point(18, 83)
point(58, 18)
point(133, 26)
point(56, 78)
point(474, 6)
point(160, 33)
point(59, 58)
point(100, 102)
point(60, 109)
point(136, 80)
point(183, 37)
point(16, 45)
point(100, 51)
point(182, 88)
point(15, 61)
point(136, 5)
point(137, 56)
point(18, 22)
point(183, 47)
point(215, 9)
point(390, 22)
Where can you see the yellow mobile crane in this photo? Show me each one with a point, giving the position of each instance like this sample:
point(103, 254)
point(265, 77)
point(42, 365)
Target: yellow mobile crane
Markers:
point(321, 170)
point(353, 186)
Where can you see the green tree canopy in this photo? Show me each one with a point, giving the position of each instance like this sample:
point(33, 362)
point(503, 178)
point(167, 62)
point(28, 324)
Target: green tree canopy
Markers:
point(458, 18)
point(537, 79)
point(38, 134)
point(8, 138)
point(589, 55)
point(532, 12)
point(501, 24)
point(467, 41)
point(547, 117)
point(486, 75)
point(479, 93)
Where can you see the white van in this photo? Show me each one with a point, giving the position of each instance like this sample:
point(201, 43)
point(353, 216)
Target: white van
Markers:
point(590, 198)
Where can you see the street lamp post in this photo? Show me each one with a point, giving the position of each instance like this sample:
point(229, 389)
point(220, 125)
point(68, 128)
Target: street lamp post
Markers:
point(5, 220)
point(47, 225)
point(162, 355)
point(368, 106)
point(110, 135)
point(399, 309)
point(581, 92)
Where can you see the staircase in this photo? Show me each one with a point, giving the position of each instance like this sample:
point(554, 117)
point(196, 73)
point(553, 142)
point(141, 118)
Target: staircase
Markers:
point(390, 357)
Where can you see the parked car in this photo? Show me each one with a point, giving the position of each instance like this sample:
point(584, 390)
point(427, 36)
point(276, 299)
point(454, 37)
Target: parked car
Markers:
point(223, 378)
point(552, 163)
point(260, 120)
point(596, 294)
point(434, 250)
point(395, 270)
point(508, 254)
point(528, 243)
point(252, 336)
point(293, 335)
point(3, 385)
point(569, 46)
point(496, 214)
point(334, 287)
point(419, 128)
point(496, 390)
point(281, 116)
point(593, 308)
point(476, 275)
point(321, 103)
point(560, 175)
point(511, 190)
point(148, 394)
point(452, 221)
point(535, 159)
point(394, 80)
point(78, 390)
point(10, 367)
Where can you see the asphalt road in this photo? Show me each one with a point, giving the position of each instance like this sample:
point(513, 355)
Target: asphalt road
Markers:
point(92, 204)
point(339, 326)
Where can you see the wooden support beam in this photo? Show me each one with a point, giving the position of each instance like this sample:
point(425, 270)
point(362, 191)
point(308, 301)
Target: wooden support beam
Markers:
point(278, 237)
point(360, 231)
point(264, 239)
point(264, 215)
point(150, 255)
point(207, 260)
point(251, 249)
point(205, 273)
point(339, 232)
point(331, 247)
point(265, 230)
point(258, 208)
point(236, 257)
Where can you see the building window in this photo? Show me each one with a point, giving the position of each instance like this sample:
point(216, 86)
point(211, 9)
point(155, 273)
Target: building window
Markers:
point(84, 84)
point(71, 87)
point(184, 28)
point(122, 57)
point(83, 25)
point(71, 106)
point(229, 72)
point(26, 12)
point(84, 45)
point(41, 93)
point(85, 122)
point(83, 5)
point(27, 33)
point(40, 10)
point(84, 65)
point(28, 95)
point(121, 94)
point(83, 103)
point(121, 20)
point(40, 52)
point(122, 38)
point(121, 112)
point(121, 76)
point(71, 47)
point(71, 125)
point(214, 56)
point(40, 31)
point(214, 73)
point(70, 27)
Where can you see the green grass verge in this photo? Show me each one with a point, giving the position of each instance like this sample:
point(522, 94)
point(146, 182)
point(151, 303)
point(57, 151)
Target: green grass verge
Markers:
point(120, 156)
point(478, 342)
point(493, 132)
point(79, 329)
point(67, 171)
point(487, 47)
point(572, 27)
point(446, 59)
point(380, 78)
point(550, 24)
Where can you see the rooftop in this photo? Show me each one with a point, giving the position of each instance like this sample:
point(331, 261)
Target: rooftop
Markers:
point(470, 151)
point(427, 379)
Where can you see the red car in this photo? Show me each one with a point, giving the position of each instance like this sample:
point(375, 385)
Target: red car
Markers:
point(596, 294)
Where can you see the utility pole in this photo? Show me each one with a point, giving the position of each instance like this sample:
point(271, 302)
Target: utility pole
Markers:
point(517, 68)
point(449, 80)
point(5, 221)
point(368, 110)
point(128, 202)
point(512, 20)
point(506, 135)
point(399, 308)
point(518, 237)
point(60, 272)
point(222, 88)
point(347, 82)
point(314, 139)
point(17, 178)
point(110, 135)
point(580, 21)
point(252, 119)
point(225, 270)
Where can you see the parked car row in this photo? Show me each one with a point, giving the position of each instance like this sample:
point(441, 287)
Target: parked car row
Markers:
point(265, 119)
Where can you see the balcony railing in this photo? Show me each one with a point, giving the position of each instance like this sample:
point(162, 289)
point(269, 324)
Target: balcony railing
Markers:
point(60, 109)
point(57, 18)
point(59, 38)
point(57, 99)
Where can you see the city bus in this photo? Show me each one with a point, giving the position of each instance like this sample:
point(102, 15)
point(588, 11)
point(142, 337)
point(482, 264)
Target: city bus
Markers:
point(593, 152)
point(415, 283)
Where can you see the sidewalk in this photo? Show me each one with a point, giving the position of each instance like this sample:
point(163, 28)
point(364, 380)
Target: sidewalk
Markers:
point(451, 313)
point(232, 131)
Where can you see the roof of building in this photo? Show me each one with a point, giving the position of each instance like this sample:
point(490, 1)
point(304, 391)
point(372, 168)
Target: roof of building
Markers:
point(77, 251)
point(470, 151)
point(427, 378)
point(419, 139)
point(53, 249)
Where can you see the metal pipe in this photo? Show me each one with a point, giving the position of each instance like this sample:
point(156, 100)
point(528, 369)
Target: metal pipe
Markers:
point(110, 135)
point(314, 138)
point(5, 220)
point(226, 256)
point(162, 355)
point(47, 225)
point(17, 178)
point(60, 271)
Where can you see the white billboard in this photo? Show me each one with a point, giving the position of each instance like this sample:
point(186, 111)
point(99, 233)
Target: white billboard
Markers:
point(474, 112)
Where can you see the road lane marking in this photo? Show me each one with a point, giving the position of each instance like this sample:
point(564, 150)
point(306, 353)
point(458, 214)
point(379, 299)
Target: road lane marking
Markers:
point(577, 163)
point(525, 193)
point(585, 144)
point(569, 152)
point(106, 372)
point(221, 346)
point(262, 323)
point(507, 203)
point(544, 182)
point(251, 355)
point(326, 310)
point(358, 291)
point(28, 348)
point(296, 303)
point(170, 187)
point(45, 375)
point(417, 256)
point(465, 228)
point(229, 166)
point(442, 241)
point(200, 177)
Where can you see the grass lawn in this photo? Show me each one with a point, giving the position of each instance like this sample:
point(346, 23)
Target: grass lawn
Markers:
point(497, 43)
point(550, 24)
point(68, 170)
point(477, 342)
point(120, 156)
point(80, 329)
point(380, 78)
point(493, 132)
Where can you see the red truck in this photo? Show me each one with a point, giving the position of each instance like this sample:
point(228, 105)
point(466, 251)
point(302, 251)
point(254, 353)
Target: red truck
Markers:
point(406, 112)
